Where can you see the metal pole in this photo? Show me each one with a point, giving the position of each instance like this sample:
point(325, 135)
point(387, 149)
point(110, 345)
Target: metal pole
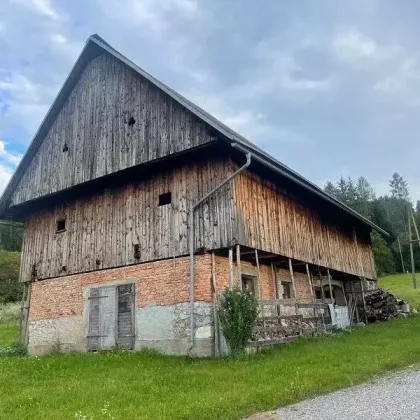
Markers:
point(413, 269)
point(402, 261)
point(191, 234)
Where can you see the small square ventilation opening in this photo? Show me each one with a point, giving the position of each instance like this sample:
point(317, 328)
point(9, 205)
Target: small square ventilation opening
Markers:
point(165, 199)
point(61, 225)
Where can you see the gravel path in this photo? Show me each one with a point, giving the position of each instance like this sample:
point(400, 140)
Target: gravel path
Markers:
point(392, 397)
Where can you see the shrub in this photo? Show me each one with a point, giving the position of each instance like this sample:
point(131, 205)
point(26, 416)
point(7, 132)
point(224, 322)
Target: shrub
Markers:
point(16, 349)
point(237, 313)
point(10, 288)
point(10, 313)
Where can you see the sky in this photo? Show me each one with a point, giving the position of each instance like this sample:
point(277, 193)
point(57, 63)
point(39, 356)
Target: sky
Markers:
point(330, 88)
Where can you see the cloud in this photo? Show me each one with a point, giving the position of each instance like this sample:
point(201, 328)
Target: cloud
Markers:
point(339, 78)
point(278, 70)
point(42, 7)
point(156, 15)
point(23, 103)
point(353, 45)
point(8, 162)
point(5, 175)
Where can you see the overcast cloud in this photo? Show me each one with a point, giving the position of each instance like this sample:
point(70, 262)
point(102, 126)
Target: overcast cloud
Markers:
point(328, 87)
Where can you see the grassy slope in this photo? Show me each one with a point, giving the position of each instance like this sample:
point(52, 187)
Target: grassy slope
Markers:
point(402, 286)
point(148, 386)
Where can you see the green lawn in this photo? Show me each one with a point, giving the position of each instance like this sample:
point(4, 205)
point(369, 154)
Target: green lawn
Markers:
point(402, 286)
point(147, 386)
point(8, 334)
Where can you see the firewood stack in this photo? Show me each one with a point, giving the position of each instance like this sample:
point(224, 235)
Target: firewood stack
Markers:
point(382, 306)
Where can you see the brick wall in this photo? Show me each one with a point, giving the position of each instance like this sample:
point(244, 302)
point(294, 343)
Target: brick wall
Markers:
point(157, 283)
point(267, 281)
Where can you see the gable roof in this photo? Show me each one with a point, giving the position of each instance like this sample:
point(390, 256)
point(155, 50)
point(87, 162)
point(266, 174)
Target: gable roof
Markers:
point(96, 45)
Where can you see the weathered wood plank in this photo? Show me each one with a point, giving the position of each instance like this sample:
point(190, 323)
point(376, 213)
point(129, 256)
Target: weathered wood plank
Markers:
point(94, 123)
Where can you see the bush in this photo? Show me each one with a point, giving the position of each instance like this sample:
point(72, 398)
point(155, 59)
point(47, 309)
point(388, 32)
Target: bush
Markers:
point(10, 288)
point(16, 349)
point(10, 313)
point(237, 313)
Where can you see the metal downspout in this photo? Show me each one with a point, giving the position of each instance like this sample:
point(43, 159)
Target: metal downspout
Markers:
point(191, 234)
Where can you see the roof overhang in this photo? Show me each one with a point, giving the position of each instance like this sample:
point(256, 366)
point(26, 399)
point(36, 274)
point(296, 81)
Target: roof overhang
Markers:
point(94, 46)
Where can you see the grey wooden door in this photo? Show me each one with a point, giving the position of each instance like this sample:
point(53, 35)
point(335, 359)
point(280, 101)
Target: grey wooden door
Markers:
point(125, 317)
point(111, 317)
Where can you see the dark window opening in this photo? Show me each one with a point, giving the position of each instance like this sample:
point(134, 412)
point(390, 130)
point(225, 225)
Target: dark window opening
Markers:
point(131, 122)
point(65, 148)
point(318, 293)
point(287, 290)
point(61, 225)
point(137, 251)
point(248, 285)
point(165, 199)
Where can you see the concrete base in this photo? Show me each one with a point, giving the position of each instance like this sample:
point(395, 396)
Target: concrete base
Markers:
point(158, 327)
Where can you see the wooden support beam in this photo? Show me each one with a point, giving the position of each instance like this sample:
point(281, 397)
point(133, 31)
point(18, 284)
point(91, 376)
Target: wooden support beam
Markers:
point(276, 286)
point(293, 278)
point(258, 274)
point(311, 287)
point(262, 257)
point(355, 301)
point(362, 285)
point(238, 263)
point(320, 283)
point(231, 268)
point(329, 284)
point(251, 252)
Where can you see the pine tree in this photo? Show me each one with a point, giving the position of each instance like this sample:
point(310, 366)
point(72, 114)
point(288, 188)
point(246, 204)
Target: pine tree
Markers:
point(399, 187)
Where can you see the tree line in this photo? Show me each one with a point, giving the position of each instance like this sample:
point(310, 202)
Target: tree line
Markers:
point(390, 212)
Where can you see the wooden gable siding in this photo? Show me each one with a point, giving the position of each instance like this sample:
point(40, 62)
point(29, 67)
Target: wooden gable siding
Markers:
point(93, 123)
point(269, 220)
point(102, 230)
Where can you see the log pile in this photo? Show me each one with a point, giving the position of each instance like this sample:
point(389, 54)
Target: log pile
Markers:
point(382, 306)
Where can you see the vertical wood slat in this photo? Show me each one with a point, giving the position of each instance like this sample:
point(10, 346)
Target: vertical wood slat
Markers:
point(102, 230)
point(296, 231)
point(93, 122)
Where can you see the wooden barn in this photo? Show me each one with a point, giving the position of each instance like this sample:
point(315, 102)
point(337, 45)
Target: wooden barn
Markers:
point(139, 207)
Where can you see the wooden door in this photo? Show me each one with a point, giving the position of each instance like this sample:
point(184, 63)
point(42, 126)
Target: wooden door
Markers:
point(125, 316)
point(111, 317)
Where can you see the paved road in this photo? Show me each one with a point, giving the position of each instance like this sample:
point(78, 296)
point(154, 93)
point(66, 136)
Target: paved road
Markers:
point(393, 397)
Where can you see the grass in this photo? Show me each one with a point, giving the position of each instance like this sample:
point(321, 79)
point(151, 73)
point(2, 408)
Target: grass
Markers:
point(149, 386)
point(9, 318)
point(402, 286)
point(8, 334)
